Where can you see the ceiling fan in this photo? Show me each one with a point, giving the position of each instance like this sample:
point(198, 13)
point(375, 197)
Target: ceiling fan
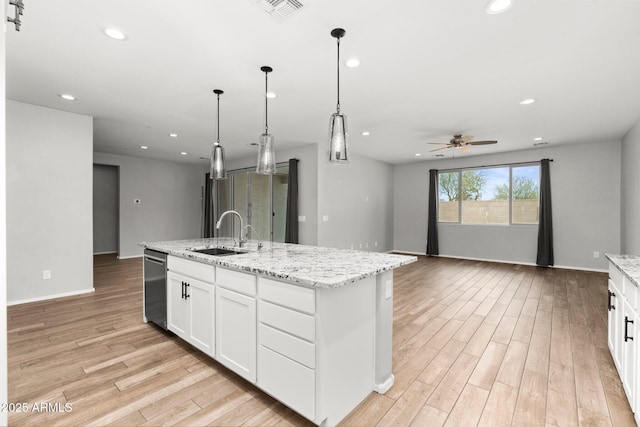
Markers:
point(461, 142)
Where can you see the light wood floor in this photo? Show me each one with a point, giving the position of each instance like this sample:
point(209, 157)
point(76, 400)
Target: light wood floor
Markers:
point(474, 344)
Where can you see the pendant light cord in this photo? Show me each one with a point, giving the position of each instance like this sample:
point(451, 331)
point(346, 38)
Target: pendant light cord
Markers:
point(218, 125)
point(338, 69)
point(266, 99)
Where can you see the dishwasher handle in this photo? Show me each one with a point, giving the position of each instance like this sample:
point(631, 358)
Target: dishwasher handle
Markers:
point(155, 260)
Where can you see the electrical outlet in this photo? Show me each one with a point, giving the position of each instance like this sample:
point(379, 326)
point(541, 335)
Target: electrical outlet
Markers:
point(596, 254)
point(325, 218)
point(46, 274)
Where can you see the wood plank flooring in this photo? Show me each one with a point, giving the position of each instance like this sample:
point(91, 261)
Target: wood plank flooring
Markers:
point(474, 343)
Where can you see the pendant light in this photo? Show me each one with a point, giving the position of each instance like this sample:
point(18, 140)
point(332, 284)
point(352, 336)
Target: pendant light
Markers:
point(266, 154)
point(338, 149)
point(218, 170)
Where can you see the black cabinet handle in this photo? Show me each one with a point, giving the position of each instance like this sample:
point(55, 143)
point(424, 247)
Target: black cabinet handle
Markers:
point(611, 306)
point(186, 293)
point(626, 329)
point(184, 288)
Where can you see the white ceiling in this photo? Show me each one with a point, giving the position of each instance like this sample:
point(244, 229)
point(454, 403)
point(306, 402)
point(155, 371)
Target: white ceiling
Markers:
point(429, 68)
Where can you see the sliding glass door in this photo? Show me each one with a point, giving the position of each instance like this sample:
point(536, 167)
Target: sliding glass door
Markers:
point(261, 200)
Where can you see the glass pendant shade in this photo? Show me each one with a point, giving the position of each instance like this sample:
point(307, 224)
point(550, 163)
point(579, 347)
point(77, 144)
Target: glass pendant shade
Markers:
point(338, 148)
point(338, 151)
point(266, 155)
point(218, 170)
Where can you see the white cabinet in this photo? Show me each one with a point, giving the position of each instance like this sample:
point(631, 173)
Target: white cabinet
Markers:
point(190, 303)
point(286, 350)
point(236, 322)
point(623, 333)
point(629, 352)
point(615, 307)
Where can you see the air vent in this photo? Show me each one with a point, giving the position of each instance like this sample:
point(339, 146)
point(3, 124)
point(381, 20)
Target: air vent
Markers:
point(280, 9)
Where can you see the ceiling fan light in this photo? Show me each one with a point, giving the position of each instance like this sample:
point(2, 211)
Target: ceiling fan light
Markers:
point(498, 6)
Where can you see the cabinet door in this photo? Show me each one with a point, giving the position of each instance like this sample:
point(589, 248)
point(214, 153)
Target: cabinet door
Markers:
point(615, 308)
point(201, 317)
point(629, 360)
point(177, 305)
point(236, 332)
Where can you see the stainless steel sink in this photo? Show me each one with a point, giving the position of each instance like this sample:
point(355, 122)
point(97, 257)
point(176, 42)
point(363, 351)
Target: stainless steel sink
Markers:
point(217, 251)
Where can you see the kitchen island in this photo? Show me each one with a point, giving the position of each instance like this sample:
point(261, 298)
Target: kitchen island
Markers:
point(310, 326)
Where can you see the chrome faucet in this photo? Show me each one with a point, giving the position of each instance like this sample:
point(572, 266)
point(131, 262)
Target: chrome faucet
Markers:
point(250, 227)
point(241, 241)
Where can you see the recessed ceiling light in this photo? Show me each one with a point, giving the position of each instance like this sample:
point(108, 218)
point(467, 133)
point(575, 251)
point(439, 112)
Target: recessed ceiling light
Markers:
point(114, 33)
point(144, 147)
point(353, 62)
point(538, 138)
point(527, 101)
point(497, 6)
point(173, 135)
point(366, 133)
point(67, 97)
point(418, 154)
point(271, 95)
point(184, 153)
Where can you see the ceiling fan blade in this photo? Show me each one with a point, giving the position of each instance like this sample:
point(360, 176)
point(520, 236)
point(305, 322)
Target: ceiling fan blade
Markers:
point(441, 148)
point(438, 143)
point(466, 138)
point(482, 142)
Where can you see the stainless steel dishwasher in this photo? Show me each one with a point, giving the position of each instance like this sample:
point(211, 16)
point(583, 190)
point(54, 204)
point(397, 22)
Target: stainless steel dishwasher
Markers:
point(155, 287)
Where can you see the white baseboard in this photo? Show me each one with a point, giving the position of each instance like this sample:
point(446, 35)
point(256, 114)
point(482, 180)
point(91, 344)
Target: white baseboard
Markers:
point(130, 256)
point(563, 267)
point(48, 297)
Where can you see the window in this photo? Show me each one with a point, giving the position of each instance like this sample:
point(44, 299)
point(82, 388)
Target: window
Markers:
point(491, 195)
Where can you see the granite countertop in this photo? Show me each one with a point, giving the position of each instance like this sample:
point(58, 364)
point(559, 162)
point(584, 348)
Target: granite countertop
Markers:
point(301, 264)
point(629, 265)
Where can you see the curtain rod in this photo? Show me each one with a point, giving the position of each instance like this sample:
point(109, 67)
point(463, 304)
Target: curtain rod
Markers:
point(490, 166)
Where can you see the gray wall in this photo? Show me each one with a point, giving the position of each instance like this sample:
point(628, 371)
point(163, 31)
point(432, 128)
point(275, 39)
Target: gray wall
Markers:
point(630, 230)
point(49, 209)
point(585, 186)
point(307, 187)
point(105, 209)
point(170, 197)
point(357, 198)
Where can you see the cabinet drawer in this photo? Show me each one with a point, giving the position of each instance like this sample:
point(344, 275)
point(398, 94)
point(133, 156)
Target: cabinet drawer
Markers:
point(294, 348)
point(296, 323)
point(288, 381)
point(194, 269)
point(292, 296)
point(616, 276)
point(237, 281)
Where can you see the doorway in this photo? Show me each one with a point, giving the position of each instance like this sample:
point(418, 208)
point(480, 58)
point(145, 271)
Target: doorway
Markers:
point(106, 211)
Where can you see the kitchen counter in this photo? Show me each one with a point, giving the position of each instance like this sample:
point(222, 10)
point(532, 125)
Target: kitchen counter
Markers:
point(629, 265)
point(310, 326)
point(300, 264)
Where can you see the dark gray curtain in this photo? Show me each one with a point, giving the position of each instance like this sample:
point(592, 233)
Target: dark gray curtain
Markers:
point(545, 224)
point(208, 208)
point(432, 226)
point(291, 225)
